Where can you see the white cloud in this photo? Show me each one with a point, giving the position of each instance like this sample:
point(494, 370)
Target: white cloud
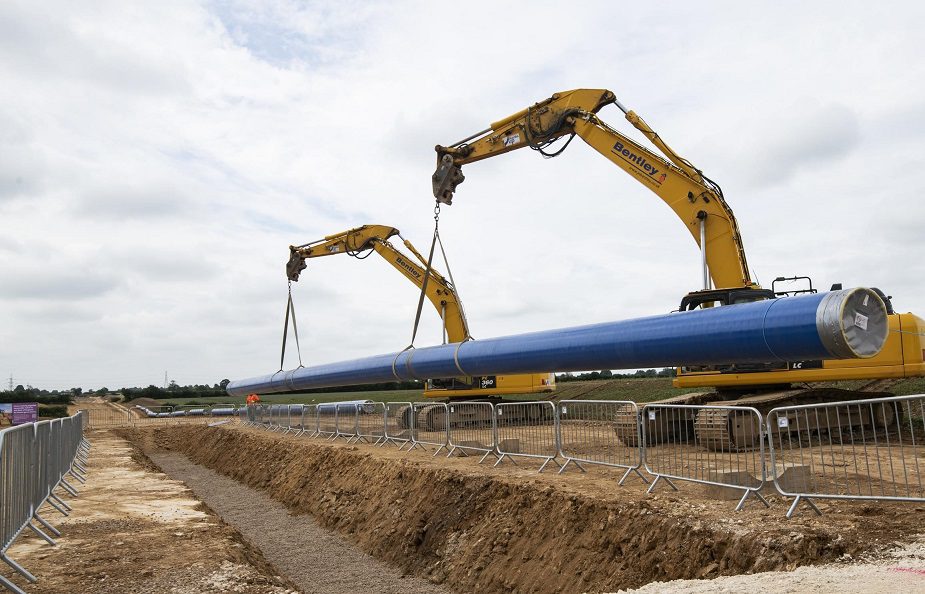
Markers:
point(156, 160)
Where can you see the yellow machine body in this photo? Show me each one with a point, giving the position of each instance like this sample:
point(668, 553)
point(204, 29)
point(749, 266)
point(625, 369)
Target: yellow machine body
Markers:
point(439, 291)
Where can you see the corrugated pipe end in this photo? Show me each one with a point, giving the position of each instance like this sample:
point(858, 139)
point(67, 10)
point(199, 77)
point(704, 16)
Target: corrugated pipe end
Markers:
point(852, 323)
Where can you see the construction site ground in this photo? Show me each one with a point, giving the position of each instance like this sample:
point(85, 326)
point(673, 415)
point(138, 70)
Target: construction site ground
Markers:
point(265, 512)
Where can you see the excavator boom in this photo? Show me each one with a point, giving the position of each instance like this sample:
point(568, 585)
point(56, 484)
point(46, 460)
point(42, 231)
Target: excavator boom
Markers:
point(696, 200)
point(699, 203)
point(439, 291)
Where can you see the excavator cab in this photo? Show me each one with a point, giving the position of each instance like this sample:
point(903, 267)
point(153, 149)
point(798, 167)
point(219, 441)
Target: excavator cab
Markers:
point(719, 297)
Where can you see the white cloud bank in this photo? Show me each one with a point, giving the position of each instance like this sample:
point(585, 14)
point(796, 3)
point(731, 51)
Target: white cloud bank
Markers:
point(156, 160)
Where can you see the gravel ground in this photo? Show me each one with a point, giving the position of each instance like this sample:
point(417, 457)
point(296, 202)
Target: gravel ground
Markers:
point(315, 559)
point(900, 570)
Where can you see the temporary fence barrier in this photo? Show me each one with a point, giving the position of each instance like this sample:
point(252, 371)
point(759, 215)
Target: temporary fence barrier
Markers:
point(293, 419)
point(471, 428)
point(35, 458)
point(527, 429)
point(345, 420)
point(277, 419)
point(309, 420)
point(106, 417)
point(862, 449)
point(371, 422)
point(604, 432)
point(428, 426)
point(714, 445)
point(327, 422)
point(397, 424)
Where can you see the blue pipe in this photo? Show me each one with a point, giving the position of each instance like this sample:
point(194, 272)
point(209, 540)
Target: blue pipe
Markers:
point(851, 323)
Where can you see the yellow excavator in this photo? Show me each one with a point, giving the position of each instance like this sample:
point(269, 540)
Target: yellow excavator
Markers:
point(442, 294)
point(700, 205)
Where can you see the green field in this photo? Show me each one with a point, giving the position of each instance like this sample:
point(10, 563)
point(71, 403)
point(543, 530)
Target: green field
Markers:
point(635, 389)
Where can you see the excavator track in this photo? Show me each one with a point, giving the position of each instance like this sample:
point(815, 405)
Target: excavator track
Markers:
point(725, 430)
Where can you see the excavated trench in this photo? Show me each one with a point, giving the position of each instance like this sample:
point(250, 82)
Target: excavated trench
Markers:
point(472, 528)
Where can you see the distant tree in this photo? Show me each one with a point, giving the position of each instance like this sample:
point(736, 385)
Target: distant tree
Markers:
point(77, 391)
point(606, 373)
point(224, 383)
point(103, 391)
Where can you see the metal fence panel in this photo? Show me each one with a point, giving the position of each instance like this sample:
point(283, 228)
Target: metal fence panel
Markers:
point(345, 420)
point(604, 432)
point(714, 445)
point(527, 429)
point(397, 424)
point(309, 420)
point(34, 459)
point(428, 426)
point(327, 421)
point(110, 416)
point(471, 428)
point(371, 422)
point(862, 449)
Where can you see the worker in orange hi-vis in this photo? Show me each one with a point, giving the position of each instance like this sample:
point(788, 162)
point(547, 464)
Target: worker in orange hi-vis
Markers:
point(252, 400)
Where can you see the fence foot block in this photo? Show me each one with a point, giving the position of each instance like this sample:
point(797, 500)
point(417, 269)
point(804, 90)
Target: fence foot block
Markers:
point(11, 586)
point(47, 526)
point(60, 502)
point(488, 453)
point(501, 459)
point(658, 478)
point(548, 460)
point(754, 492)
point(18, 568)
point(41, 534)
point(571, 461)
point(796, 502)
point(631, 471)
point(58, 508)
point(67, 487)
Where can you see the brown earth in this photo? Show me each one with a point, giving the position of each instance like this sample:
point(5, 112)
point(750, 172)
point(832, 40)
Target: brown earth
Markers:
point(314, 558)
point(132, 529)
point(508, 529)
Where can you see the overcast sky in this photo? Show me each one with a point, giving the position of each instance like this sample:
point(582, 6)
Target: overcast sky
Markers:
point(157, 159)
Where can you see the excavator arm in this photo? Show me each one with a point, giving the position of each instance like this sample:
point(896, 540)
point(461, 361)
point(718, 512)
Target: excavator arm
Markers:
point(696, 200)
point(355, 242)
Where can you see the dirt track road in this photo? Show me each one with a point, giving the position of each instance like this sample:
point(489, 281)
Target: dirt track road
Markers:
point(135, 530)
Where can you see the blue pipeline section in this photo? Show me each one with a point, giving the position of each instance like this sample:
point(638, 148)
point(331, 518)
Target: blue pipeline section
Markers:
point(806, 327)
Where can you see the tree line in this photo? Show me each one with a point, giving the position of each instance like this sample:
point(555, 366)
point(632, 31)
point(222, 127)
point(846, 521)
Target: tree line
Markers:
point(608, 374)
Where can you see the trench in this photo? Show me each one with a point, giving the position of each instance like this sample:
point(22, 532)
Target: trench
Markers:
point(312, 557)
point(469, 528)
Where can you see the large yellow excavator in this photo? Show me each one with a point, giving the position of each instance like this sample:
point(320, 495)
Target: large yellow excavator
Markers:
point(700, 205)
point(441, 293)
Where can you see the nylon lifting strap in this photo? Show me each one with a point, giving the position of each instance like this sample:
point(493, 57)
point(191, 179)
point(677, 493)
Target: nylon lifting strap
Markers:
point(290, 307)
point(430, 259)
point(449, 273)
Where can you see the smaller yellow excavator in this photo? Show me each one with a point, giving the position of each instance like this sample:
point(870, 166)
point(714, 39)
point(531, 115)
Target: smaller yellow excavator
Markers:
point(442, 294)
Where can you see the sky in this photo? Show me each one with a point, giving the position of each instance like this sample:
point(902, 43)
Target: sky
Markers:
point(157, 160)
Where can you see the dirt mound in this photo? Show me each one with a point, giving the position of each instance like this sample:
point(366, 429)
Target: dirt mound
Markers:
point(474, 530)
point(147, 402)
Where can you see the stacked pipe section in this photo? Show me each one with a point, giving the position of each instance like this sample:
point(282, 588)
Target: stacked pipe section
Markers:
point(844, 324)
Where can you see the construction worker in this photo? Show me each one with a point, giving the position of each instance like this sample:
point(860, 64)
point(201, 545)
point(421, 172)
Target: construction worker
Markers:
point(252, 400)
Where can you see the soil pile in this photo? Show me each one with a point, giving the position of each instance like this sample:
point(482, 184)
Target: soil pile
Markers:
point(477, 530)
